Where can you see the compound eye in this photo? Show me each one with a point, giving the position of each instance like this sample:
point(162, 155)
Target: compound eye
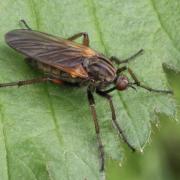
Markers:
point(122, 83)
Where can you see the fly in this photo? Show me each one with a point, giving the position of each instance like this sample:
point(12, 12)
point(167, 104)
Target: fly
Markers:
point(65, 61)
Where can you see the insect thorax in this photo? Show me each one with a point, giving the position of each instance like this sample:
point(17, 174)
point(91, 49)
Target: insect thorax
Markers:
point(100, 70)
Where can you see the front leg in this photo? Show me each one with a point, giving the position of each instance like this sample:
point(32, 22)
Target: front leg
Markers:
point(97, 128)
point(139, 84)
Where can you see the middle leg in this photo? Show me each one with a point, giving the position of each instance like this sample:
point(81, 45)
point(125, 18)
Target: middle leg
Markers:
point(120, 131)
point(97, 128)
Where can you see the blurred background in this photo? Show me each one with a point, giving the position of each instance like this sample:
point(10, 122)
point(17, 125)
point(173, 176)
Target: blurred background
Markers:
point(161, 158)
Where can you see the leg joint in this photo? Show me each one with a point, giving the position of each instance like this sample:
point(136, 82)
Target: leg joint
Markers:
point(137, 83)
point(84, 33)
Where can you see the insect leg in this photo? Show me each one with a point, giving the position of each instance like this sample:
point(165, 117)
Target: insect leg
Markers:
point(25, 24)
point(97, 129)
point(118, 61)
point(31, 81)
point(120, 131)
point(137, 83)
point(85, 38)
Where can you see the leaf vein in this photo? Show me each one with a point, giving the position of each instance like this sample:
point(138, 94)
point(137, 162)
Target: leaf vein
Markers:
point(5, 143)
point(60, 139)
point(130, 118)
point(28, 167)
point(97, 24)
point(162, 25)
point(34, 12)
point(55, 121)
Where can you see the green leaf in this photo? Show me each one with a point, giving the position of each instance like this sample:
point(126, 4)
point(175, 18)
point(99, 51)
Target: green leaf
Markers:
point(46, 131)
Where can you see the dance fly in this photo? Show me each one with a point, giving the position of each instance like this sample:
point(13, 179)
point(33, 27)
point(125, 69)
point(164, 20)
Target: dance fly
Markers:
point(66, 61)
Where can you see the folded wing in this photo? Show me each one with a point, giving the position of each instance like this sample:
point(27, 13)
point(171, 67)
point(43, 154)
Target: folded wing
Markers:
point(57, 52)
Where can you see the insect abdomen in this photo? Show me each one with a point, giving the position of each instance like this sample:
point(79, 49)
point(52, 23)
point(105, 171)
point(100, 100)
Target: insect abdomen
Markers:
point(52, 71)
point(44, 67)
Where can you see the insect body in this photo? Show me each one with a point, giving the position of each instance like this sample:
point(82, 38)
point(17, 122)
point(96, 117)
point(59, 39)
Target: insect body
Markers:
point(63, 60)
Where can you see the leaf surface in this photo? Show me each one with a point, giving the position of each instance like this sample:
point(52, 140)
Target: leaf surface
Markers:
point(46, 131)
